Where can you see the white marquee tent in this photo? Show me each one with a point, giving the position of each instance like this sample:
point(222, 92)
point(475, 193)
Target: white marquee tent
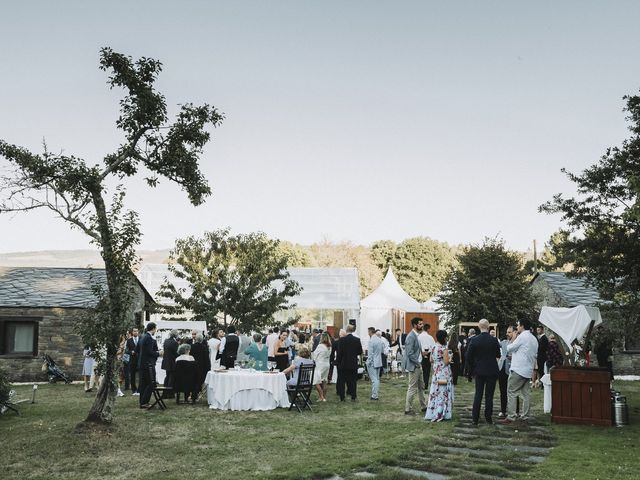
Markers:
point(322, 288)
point(376, 309)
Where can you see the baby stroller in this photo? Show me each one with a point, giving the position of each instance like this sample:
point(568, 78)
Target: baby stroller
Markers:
point(53, 371)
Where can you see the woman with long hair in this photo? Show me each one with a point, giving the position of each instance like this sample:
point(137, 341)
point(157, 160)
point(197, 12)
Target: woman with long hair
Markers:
point(454, 353)
point(257, 352)
point(321, 356)
point(280, 351)
point(440, 405)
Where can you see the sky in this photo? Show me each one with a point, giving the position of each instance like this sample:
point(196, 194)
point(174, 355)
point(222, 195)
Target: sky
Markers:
point(347, 121)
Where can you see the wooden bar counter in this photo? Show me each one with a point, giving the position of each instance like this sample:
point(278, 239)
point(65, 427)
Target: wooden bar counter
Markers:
point(580, 395)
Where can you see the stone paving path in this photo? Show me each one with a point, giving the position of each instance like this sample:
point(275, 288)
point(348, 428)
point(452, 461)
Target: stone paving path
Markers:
point(483, 452)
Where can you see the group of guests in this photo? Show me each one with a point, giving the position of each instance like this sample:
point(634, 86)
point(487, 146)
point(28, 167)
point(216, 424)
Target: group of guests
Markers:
point(432, 365)
point(282, 350)
point(515, 363)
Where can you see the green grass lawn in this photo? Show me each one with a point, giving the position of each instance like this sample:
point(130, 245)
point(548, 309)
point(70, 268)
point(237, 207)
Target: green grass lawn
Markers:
point(195, 442)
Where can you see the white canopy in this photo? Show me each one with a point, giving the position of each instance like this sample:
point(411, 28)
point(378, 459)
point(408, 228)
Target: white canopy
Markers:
point(391, 295)
point(432, 305)
point(199, 325)
point(376, 309)
point(570, 323)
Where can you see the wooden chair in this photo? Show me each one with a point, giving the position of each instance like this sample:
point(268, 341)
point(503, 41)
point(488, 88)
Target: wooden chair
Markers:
point(300, 393)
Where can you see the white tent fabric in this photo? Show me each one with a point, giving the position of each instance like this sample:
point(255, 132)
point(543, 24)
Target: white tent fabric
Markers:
point(391, 295)
point(432, 305)
point(375, 310)
point(199, 325)
point(569, 323)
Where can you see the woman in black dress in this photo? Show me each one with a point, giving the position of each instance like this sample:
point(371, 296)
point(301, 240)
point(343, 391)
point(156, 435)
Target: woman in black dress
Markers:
point(455, 357)
point(281, 352)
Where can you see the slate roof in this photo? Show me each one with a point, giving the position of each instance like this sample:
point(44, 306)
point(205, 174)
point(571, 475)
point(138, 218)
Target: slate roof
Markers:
point(574, 291)
point(49, 287)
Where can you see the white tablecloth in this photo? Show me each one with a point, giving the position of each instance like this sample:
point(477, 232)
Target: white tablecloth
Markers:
point(245, 390)
point(546, 381)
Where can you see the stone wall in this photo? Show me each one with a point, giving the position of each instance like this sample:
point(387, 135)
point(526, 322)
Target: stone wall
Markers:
point(55, 337)
point(626, 363)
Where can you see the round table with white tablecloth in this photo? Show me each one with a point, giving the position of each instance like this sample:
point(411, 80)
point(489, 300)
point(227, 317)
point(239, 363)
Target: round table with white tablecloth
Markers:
point(246, 390)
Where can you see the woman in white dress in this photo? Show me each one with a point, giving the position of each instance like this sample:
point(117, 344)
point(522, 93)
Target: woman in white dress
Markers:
point(87, 368)
point(321, 357)
point(214, 346)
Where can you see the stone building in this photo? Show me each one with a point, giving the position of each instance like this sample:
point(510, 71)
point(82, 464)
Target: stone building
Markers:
point(38, 310)
point(556, 289)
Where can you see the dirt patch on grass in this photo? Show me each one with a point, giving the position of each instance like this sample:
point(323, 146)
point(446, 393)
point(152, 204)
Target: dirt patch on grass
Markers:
point(95, 429)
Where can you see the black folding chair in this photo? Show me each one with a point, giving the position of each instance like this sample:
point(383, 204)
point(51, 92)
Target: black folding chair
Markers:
point(158, 393)
point(184, 380)
point(300, 393)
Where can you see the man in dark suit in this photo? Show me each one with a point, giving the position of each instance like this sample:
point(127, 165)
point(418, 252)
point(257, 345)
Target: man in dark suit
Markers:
point(399, 341)
point(543, 347)
point(147, 358)
point(347, 351)
point(504, 365)
point(131, 349)
point(229, 348)
point(170, 349)
point(483, 353)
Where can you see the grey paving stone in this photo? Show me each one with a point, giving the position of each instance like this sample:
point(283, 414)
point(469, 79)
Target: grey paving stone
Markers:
point(421, 474)
point(364, 475)
point(528, 449)
point(485, 453)
point(535, 459)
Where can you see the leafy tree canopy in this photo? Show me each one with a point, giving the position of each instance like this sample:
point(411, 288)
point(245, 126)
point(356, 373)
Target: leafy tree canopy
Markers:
point(420, 264)
point(297, 254)
point(554, 257)
point(603, 235)
point(236, 280)
point(489, 282)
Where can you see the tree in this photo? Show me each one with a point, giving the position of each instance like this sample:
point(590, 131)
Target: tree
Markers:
point(554, 256)
point(603, 225)
point(421, 265)
point(75, 190)
point(382, 253)
point(297, 254)
point(345, 254)
point(242, 279)
point(5, 389)
point(490, 282)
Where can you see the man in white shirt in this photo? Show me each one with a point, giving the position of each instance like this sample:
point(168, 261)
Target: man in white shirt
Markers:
point(272, 338)
point(386, 347)
point(426, 344)
point(523, 351)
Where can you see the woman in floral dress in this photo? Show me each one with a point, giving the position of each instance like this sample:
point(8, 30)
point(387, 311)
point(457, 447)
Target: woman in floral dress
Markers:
point(441, 394)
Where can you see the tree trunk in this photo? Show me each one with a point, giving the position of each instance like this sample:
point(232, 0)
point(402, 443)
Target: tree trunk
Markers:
point(102, 409)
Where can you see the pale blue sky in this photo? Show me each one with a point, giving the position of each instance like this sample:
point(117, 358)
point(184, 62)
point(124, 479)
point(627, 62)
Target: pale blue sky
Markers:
point(348, 120)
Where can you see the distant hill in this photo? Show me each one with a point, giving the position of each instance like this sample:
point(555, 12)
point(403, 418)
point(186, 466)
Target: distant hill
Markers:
point(71, 258)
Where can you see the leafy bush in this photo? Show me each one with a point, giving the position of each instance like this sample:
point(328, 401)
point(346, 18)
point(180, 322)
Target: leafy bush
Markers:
point(5, 388)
